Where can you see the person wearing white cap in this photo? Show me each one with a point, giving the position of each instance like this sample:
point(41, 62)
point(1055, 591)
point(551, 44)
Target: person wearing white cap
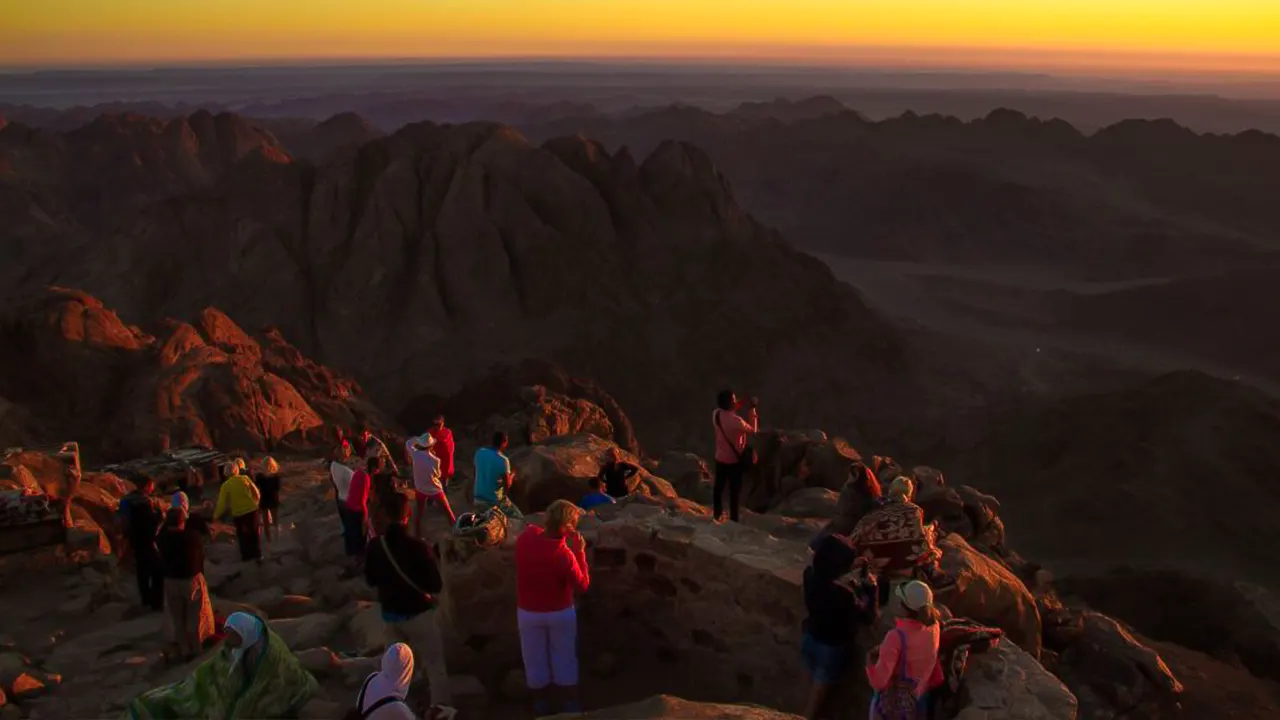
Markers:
point(905, 668)
point(427, 479)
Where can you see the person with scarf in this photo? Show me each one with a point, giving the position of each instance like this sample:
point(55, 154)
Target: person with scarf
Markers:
point(238, 498)
point(382, 697)
point(188, 614)
point(253, 677)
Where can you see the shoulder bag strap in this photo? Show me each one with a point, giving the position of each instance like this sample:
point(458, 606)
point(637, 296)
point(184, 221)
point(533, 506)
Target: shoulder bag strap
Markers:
point(725, 435)
point(403, 576)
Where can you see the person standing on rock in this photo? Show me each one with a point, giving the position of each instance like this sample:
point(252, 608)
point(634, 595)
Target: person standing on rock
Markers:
point(403, 570)
point(268, 482)
point(494, 479)
point(238, 499)
point(357, 521)
point(443, 449)
point(188, 617)
point(428, 485)
point(615, 473)
point(905, 669)
point(733, 456)
point(551, 568)
point(140, 518)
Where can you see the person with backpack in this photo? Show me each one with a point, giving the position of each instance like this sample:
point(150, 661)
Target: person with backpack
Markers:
point(905, 668)
point(403, 570)
point(733, 455)
point(140, 519)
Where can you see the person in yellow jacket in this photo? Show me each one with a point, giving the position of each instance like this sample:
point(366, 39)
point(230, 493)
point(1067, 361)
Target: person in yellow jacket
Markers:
point(239, 498)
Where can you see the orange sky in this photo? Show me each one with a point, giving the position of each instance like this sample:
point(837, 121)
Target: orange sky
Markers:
point(1211, 35)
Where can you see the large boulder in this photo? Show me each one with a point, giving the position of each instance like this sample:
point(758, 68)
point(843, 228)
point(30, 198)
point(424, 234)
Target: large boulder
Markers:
point(988, 592)
point(1114, 674)
point(810, 456)
point(690, 475)
point(1006, 682)
point(666, 707)
point(558, 469)
point(308, 631)
point(814, 502)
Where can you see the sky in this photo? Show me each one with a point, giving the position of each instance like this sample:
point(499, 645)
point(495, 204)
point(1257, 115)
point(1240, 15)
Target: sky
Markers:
point(1214, 36)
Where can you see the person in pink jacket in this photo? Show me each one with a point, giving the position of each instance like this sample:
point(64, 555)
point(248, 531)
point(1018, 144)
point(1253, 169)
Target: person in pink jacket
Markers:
point(905, 668)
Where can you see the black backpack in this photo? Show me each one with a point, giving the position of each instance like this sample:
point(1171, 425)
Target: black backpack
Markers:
point(357, 714)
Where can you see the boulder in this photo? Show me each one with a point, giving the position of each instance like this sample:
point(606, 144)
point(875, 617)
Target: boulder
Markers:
point(25, 687)
point(367, 629)
point(814, 502)
point(308, 631)
point(558, 469)
point(469, 696)
point(810, 457)
point(1112, 672)
point(690, 475)
point(318, 660)
point(1006, 682)
point(666, 707)
point(318, 708)
point(514, 685)
point(988, 592)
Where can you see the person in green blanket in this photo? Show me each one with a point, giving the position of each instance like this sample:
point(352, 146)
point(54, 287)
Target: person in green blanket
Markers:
point(254, 675)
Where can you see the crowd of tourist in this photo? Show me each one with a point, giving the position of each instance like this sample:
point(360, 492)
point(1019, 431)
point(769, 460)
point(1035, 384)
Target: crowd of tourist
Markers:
point(874, 570)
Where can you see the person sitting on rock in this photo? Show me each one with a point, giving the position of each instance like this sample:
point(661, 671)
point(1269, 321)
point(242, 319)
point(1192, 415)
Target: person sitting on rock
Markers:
point(254, 677)
point(403, 569)
point(615, 473)
point(733, 457)
point(428, 482)
point(597, 496)
point(859, 495)
point(894, 539)
point(551, 567)
point(443, 449)
point(238, 499)
point(836, 608)
point(140, 517)
point(268, 482)
point(188, 616)
point(905, 668)
point(494, 478)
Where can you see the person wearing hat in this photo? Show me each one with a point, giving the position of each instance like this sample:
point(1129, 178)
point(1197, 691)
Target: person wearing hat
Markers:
point(238, 498)
point(428, 484)
point(905, 668)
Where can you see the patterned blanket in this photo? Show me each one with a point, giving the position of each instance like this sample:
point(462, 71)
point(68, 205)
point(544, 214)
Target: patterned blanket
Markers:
point(894, 538)
point(275, 687)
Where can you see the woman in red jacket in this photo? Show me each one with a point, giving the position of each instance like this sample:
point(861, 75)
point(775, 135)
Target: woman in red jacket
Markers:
point(551, 565)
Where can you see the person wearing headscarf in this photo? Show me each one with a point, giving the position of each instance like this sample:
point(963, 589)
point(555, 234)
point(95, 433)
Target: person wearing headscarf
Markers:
point(253, 677)
point(268, 482)
point(188, 614)
point(382, 697)
point(238, 498)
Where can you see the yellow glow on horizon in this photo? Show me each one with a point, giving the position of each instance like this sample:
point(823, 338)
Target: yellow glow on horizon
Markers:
point(1187, 34)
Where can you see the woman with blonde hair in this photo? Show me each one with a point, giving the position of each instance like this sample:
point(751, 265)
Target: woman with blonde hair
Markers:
point(905, 668)
point(268, 482)
point(551, 566)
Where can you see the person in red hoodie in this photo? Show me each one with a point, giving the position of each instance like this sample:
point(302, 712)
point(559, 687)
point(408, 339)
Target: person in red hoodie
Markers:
point(443, 448)
point(551, 566)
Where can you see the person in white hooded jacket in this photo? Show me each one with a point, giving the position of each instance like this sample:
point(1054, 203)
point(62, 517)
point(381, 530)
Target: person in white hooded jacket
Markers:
point(383, 695)
point(427, 482)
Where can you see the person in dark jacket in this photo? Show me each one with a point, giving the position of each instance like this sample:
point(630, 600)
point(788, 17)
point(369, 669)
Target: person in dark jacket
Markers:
point(615, 473)
point(188, 617)
point(268, 481)
point(140, 518)
point(403, 569)
point(837, 602)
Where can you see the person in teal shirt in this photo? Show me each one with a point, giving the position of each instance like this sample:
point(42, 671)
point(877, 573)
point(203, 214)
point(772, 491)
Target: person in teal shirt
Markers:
point(494, 478)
